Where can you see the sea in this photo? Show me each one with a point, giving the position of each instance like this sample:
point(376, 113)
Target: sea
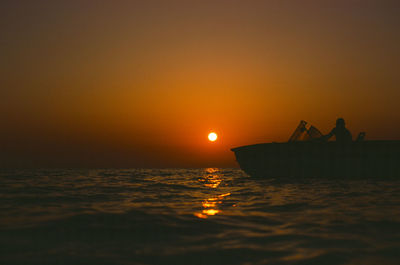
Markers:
point(194, 217)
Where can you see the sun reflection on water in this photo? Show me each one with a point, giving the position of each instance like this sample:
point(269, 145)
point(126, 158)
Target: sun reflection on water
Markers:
point(211, 211)
point(211, 180)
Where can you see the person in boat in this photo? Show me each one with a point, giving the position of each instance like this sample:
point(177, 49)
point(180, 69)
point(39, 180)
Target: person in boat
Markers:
point(341, 133)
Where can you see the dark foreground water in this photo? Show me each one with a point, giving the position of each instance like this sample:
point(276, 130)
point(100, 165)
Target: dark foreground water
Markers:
point(199, 216)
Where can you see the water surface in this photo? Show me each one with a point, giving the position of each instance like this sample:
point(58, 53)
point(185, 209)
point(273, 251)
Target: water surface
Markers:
point(194, 216)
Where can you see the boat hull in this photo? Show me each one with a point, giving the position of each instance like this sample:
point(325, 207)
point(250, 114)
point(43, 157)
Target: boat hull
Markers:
point(327, 159)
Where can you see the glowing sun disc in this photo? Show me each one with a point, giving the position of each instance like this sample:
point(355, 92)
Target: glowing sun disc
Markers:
point(212, 137)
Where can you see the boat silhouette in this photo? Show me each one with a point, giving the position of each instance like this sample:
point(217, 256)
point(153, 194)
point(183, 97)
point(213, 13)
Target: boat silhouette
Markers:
point(314, 158)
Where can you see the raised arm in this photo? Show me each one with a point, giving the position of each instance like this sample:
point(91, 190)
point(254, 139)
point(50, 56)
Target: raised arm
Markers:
point(329, 135)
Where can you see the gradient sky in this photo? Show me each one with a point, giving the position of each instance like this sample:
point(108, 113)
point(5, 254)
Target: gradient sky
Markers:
point(142, 83)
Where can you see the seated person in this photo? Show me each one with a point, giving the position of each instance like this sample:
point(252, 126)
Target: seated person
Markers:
point(341, 133)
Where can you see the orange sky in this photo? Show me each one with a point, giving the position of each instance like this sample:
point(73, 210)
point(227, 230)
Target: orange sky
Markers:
point(142, 84)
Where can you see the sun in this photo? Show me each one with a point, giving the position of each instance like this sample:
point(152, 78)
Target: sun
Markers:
point(212, 136)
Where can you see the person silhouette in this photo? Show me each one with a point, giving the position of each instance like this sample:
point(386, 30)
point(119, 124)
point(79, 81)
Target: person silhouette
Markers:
point(340, 131)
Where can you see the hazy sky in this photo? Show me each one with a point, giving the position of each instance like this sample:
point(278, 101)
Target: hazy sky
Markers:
point(142, 83)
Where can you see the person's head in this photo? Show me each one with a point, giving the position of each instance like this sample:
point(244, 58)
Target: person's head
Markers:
point(340, 123)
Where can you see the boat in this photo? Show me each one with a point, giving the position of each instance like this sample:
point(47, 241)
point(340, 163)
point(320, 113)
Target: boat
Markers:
point(320, 159)
point(308, 158)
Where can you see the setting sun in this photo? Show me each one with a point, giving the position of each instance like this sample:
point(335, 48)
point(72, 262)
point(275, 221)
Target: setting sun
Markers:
point(212, 136)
